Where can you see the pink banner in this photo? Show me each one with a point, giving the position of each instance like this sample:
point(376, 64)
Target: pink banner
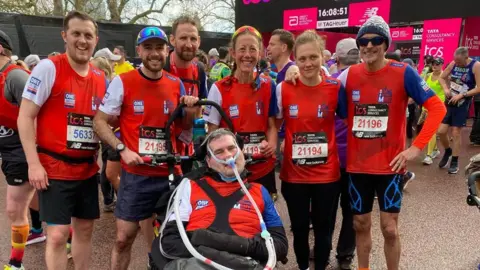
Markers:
point(440, 39)
point(361, 12)
point(401, 33)
point(471, 36)
point(300, 19)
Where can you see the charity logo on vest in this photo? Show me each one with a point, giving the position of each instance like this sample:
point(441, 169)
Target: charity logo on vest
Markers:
point(201, 204)
point(138, 107)
point(69, 100)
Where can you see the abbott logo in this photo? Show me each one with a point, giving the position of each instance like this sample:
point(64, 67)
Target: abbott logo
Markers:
point(395, 34)
point(293, 21)
point(370, 12)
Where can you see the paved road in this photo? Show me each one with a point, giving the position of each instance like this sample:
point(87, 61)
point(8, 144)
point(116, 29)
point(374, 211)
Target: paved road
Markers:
point(438, 229)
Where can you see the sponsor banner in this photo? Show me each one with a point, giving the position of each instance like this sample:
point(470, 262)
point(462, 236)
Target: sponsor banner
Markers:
point(300, 19)
point(410, 49)
point(401, 33)
point(440, 39)
point(359, 13)
point(471, 36)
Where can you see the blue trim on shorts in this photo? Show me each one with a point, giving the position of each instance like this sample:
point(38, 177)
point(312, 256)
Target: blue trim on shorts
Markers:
point(355, 197)
point(396, 200)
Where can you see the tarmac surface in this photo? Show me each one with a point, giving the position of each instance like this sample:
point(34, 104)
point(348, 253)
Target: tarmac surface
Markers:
point(438, 229)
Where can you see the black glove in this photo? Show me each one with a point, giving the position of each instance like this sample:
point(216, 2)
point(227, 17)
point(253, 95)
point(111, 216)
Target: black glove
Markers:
point(220, 241)
point(228, 259)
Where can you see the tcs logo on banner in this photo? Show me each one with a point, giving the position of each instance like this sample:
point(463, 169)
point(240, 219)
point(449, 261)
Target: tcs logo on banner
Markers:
point(247, 2)
point(433, 50)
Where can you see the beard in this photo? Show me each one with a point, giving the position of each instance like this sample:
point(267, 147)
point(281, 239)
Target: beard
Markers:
point(153, 67)
point(186, 55)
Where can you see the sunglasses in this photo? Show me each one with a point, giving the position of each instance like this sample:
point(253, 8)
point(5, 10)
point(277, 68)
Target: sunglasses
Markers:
point(375, 41)
point(149, 32)
point(247, 28)
point(437, 63)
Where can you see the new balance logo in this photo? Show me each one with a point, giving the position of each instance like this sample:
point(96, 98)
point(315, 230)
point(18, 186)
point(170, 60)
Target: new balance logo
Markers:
point(76, 145)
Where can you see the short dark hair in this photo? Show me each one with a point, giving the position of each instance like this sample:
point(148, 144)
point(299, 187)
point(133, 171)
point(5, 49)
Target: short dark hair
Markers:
point(78, 15)
point(286, 37)
point(393, 56)
point(182, 20)
point(222, 52)
point(121, 49)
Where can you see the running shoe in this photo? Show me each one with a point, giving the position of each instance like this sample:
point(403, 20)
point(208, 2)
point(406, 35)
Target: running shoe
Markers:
point(453, 167)
point(34, 237)
point(435, 154)
point(69, 251)
point(445, 160)
point(345, 263)
point(409, 176)
point(109, 207)
point(427, 160)
point(11, 267)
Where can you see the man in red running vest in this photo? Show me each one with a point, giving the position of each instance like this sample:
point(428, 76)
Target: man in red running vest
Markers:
point(185, 40)
point(14, 165)
point(143, 100)
point(377, 91)
point(62, 96)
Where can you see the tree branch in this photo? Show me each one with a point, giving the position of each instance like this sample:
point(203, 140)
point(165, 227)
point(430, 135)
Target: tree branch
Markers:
point(150, 11)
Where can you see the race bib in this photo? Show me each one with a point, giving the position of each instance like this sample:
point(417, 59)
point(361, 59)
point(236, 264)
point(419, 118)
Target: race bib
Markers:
point(80, 135)
point(251, 142)
point(370, 121)
point(460, 89)
point(309, 148)
point(152, 141)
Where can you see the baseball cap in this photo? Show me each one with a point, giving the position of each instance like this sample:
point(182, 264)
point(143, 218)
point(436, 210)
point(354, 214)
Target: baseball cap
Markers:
point(32, 60)
point(5, 41)
point(151, 32)
point(213, 52)
point(106, 53)
point(344, 46)
point(438, 60)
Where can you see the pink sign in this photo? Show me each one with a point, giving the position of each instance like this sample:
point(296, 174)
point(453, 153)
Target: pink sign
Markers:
point(440, 39)
point(471, 36)
point(401, 33)
point(300, 19)
point(361, 12)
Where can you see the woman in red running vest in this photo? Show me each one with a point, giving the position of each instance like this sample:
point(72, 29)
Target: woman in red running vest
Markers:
point(249, 100)
point(311, 170)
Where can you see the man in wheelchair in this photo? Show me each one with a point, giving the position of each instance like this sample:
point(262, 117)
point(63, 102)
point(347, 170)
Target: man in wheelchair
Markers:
point(220, 221)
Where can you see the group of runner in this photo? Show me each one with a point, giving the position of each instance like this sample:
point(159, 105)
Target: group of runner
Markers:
point(361, 113)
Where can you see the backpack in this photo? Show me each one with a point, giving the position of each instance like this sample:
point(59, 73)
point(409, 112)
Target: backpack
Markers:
point(199, 73)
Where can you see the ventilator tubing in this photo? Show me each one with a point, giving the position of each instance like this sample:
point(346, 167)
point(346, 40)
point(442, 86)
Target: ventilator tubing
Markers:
point(272, 257)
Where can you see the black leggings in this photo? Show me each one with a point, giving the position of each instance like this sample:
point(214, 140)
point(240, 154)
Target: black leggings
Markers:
point(268, 181)
point(323, 199)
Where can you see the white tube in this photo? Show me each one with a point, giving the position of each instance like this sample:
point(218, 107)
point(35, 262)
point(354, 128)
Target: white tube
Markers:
point(272, 257)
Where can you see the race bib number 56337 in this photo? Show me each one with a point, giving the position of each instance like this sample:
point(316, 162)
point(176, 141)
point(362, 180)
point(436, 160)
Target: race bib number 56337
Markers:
point(80, 135)
point(309, 148)
point(370, 121)
point(152, 141)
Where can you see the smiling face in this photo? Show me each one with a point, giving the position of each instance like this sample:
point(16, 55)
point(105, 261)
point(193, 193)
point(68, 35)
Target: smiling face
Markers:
point(374, 50)
point(246, 52)
point(186, 41)
point(153, 53)
point(80, 40)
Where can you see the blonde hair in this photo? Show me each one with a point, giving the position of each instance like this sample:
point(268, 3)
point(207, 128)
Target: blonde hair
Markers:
point(103, 64)
point(307, 37)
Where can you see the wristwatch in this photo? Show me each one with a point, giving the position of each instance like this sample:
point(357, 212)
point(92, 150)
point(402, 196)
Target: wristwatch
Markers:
point(120, 147)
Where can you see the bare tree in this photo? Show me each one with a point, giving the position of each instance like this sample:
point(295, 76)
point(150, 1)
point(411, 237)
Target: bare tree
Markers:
point(217, 14)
